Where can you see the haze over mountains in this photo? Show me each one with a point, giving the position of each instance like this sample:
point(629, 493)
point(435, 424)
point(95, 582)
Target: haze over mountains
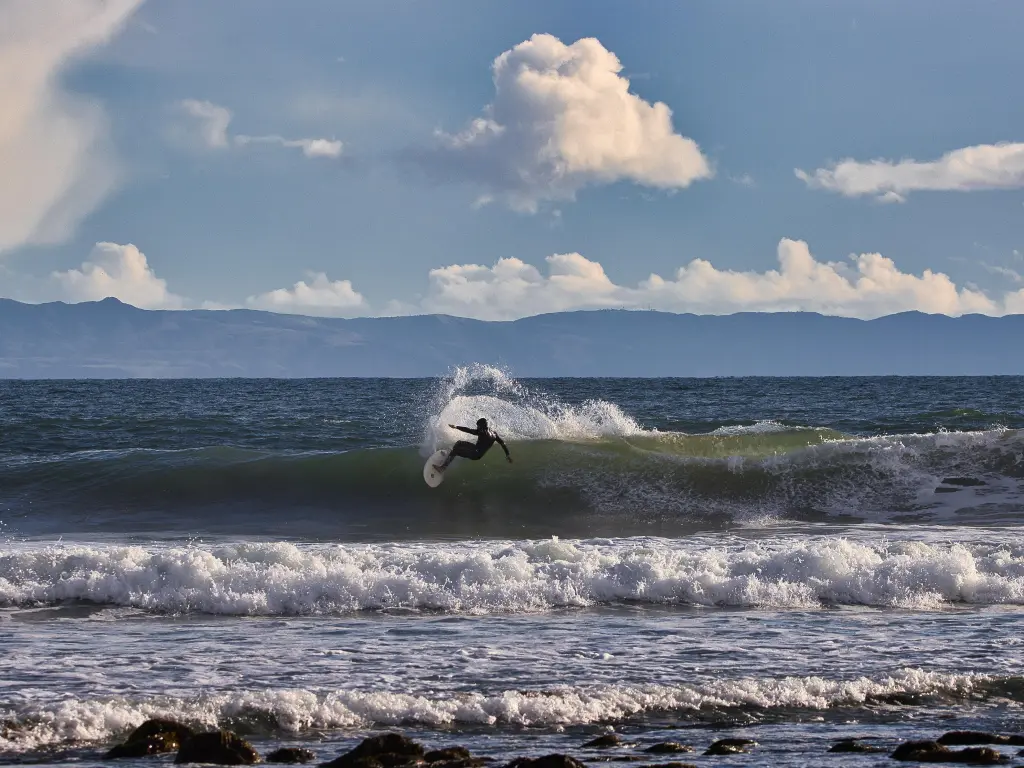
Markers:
point(110, 339)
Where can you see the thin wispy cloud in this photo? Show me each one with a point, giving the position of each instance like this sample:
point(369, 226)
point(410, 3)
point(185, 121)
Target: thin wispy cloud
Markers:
point(211, 123)
point(56, 157)
point(981, 167)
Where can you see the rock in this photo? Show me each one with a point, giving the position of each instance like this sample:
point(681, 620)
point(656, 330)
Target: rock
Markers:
point(447, 754)
point(548, 761)
point(730, 747)
point(666, 747)
point(385, 750)
point(933, 752)
point(153, 737)
point(920, 751)
point(978, 737)
point(616, 759)
point(220, 747)
point(853, 745)
point(963, 482)
point(978, 756)
point(607, 741)
point(290, 755)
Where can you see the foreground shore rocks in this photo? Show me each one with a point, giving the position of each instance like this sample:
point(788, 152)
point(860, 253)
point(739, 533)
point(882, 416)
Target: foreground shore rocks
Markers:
point(395, 750)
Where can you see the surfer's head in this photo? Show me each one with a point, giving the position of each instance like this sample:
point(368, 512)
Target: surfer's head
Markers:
point(481, 423)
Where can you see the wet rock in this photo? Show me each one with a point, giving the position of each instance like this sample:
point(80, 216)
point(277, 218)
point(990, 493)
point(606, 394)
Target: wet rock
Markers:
point(978, 737)
point(616, 759)
point(920, 751)
point(385, 750)
point(978, 756)
point(447, 755)
point(290, 755)
point(933, 752)
point(548, 761)
point(607, 741)
point(730, 747)
point(853, 745)
point(219, 747)
point(153, 737)
point(963, 482)
point(667, 747)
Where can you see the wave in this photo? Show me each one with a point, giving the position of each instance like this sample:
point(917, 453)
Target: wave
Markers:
point(296, 711)
point(648, 483)
point(580, 469)
point(283, 579)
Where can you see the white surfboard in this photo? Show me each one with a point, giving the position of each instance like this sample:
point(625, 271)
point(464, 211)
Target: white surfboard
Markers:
point(431, 475)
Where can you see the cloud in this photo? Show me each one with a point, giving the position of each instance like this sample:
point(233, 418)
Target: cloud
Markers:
point(309, 147)
point(868, 285)
point(55, 154)
point(121, 271)
point(562, 118)
point(321, 297)
point(984, 166)
point(211, 123)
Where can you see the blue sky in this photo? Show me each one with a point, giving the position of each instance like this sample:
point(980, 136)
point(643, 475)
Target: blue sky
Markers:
point(345, 157)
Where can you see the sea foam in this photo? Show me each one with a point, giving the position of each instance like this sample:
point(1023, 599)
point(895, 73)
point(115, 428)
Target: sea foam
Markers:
point(293, 711)
point(509, 577)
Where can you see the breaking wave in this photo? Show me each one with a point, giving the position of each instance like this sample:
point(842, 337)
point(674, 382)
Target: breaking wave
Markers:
point(291, 712)
point(580, 469)
point(275, 579)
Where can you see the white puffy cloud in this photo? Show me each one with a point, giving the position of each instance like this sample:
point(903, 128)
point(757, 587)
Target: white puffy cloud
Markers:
point(321, 297)
point(211, 122)
point(55, 155)
point(562, 118)
point(121, 271)
point(868, 285)
point(984, 166)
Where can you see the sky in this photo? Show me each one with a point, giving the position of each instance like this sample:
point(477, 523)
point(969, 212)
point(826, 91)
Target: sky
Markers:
point(498, 160)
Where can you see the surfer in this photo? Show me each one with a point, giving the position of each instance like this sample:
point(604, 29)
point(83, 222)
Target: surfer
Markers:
point(485, 438)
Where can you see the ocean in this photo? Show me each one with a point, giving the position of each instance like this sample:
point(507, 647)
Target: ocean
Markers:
point(791, 561)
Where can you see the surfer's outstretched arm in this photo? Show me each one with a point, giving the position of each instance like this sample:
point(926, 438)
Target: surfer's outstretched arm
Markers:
point(467, 430)
point(499, 441)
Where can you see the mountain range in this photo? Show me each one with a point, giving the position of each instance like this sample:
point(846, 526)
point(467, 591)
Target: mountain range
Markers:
point(110, 339)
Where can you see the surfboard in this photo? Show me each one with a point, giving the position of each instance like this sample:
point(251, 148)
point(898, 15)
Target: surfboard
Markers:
point(432, 477)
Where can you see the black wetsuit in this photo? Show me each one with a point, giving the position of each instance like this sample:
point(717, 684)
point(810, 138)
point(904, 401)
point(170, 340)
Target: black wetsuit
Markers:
point(485, 438)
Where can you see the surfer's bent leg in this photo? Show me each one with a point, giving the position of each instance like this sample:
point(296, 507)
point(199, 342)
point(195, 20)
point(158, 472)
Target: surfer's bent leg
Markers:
point(463, 448)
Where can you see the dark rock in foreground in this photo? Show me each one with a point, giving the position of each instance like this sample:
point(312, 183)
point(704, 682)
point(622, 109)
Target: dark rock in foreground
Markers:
point(607, 741)
point(730, 747)
point(667, 747)
point(385, 750)
point(853, 745)
point(153, 737)
point(548, 761)
point(218, 747)
point(933, 752)
point(447, 755)
point(290, 755)
point(963, 482)
point(979, 737)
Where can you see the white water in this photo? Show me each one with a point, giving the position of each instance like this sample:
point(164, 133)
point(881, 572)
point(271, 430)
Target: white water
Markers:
point(283, 579)
point(515, 412)
point(298, 710)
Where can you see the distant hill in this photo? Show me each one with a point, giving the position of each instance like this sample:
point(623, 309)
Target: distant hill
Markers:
point(109, 339)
